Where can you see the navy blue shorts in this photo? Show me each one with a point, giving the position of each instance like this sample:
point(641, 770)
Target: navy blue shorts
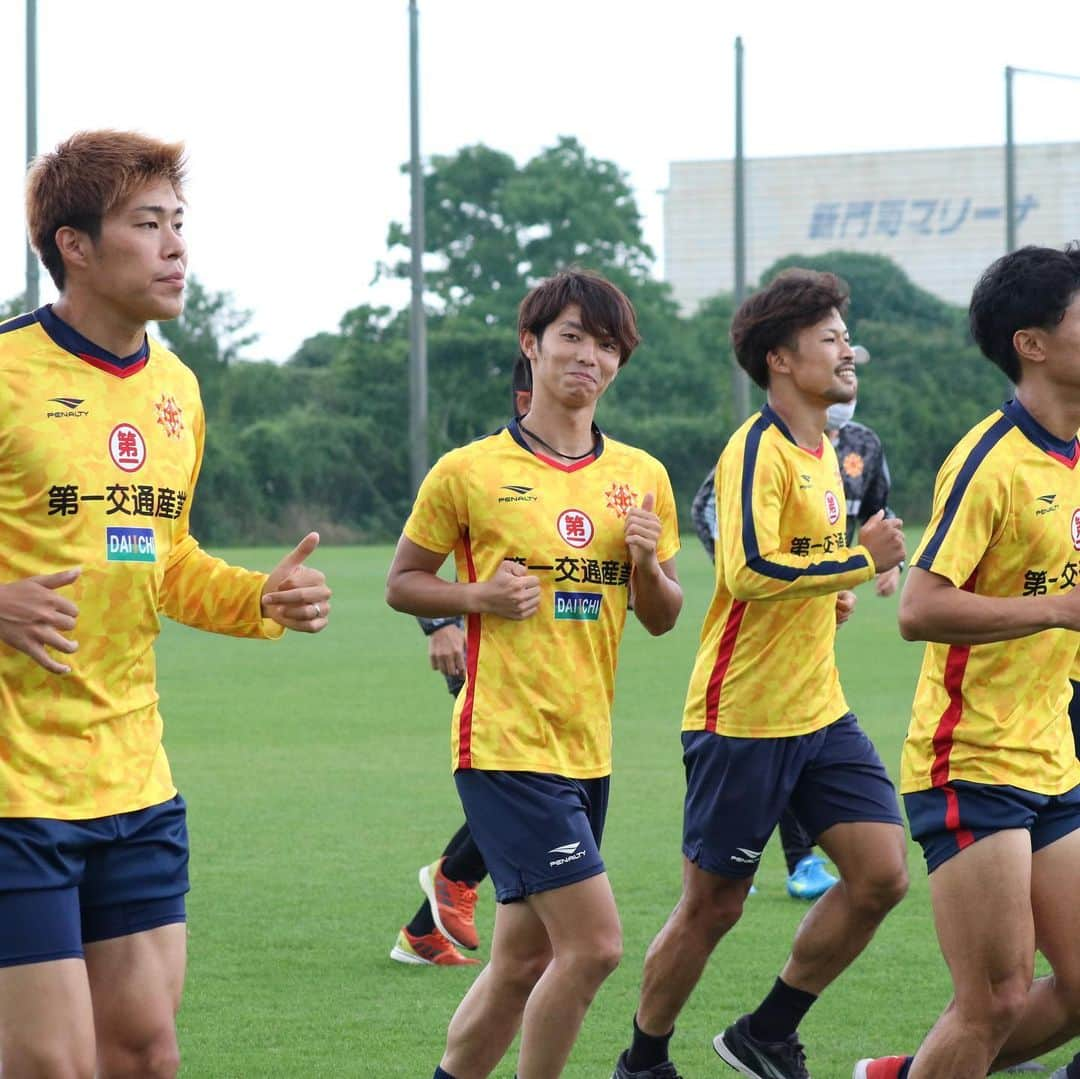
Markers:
point(737, 788)
point(945, 820)
point(64, 884)
point(537, 832)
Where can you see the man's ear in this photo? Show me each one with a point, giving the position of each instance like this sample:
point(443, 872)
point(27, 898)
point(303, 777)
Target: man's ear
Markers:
point(74, 246)
point(777, 360)
point(1029, 343)
point(527, 340)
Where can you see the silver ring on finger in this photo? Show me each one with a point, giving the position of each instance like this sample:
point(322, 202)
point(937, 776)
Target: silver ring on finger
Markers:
point(318, 611)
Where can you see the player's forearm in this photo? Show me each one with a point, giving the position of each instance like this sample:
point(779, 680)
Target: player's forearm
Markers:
point(781, 577)
point(950, 615)
point(657, 598)
point(427, 595)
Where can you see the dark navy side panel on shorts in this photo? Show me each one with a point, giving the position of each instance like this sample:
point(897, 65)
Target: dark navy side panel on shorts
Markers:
point(737, 788)
point(536, 831)
point(64, 884)
point(946, 820)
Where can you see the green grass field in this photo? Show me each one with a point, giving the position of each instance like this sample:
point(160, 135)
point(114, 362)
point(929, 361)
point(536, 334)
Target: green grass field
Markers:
point(317, 776)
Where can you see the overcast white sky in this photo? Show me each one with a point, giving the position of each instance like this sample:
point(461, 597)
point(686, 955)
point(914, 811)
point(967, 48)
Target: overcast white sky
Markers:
point(296, 115)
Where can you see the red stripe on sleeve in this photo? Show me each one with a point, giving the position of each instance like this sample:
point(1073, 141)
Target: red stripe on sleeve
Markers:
point(723, 661)
point(472, 654)
point(955, 665)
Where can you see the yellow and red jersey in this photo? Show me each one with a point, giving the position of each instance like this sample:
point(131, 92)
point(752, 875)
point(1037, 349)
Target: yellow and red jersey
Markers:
point(1006, 522)
point(765, 666)
point(100, 456)
point(538, 692)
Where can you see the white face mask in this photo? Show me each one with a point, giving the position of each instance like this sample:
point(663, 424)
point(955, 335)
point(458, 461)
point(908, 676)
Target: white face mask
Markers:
point(839, 414)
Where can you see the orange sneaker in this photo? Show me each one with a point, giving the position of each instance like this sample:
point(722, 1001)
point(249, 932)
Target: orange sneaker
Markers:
point(430, 950)
point(453, 905)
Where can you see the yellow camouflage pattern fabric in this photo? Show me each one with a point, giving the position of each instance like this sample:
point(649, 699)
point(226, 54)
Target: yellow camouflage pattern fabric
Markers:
point(538, 693)
point(99, 472)
point(1006, 522)
point(765, 666)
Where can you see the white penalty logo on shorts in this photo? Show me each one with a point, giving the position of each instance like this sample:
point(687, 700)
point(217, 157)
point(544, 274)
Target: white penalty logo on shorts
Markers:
point(569, 852)
point(745, 856)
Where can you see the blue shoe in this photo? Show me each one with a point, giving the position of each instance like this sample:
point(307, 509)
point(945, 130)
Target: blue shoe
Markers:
point(811, 879)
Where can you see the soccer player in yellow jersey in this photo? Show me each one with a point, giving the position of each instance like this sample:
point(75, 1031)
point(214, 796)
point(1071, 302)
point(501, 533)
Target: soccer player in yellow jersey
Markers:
point(766, 723)
point(555, 530)
point(101, 445)
point(989, 772)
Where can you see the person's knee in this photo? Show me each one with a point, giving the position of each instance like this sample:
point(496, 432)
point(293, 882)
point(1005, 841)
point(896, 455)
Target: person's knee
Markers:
point(1007, 999)
point(713, 911)
point(875, 891)
point(154, 1057)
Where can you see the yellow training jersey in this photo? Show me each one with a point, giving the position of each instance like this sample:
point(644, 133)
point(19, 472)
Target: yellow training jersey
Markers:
point(538, 692)
point(100, 456)
point(1006, 522)
point(765, 667)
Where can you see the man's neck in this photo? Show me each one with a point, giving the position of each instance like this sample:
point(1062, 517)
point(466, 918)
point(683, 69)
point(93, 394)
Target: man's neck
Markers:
point(1055, 408)
point(567, 432)
point(804, 419)
point(103, 326)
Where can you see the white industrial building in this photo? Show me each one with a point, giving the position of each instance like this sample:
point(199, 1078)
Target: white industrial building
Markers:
point(939, 213)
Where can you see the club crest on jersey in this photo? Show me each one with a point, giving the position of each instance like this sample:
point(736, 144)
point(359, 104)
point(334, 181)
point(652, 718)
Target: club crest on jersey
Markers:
point(127, 447)
point(1076, 529)
point(575, 527)
point(168, 416)
point(620, 499)
point(832, 507)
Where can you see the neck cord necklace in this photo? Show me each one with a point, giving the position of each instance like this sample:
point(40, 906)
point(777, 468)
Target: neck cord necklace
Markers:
point(558, 453)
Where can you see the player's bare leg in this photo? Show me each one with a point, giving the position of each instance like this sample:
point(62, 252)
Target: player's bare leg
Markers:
point(708, 907)
point(1051, 1014)
point(489, 1016)
point(586, 942)
point(136, 982)
point(46, 1021)
point(870, 856)
point(982, 910)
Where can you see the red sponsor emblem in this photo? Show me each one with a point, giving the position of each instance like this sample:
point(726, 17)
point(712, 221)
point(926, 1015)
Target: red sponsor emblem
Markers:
point(832, 507)
point(575, 527)
point(168, 416)
point(620, 499)
point(1076, 529)
point(127, 447)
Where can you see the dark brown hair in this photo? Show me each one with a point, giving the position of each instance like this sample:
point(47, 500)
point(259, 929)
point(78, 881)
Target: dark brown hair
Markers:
point(606, 313)
point(793, 300)
point(86, 177)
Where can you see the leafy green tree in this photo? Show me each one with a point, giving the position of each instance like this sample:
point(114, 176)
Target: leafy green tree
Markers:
point(494, 229)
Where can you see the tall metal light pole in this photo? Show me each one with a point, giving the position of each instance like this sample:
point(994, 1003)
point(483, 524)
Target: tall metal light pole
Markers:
point(31, 139)
point(740, 383)
point(418, 392)
point(1010, 146)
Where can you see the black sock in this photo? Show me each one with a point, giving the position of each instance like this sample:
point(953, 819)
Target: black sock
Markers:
point(1073, 1070)
point(647, 1050)
point(780, 1013)
point(440, 1074)
point(422, 922)
point(465, 863)
point(462, 835)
